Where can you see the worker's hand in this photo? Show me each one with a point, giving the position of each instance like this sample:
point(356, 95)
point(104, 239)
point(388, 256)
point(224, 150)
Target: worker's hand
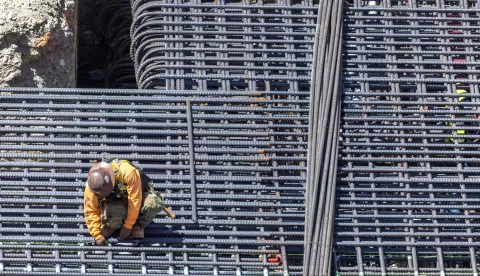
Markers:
point(101, 241)
point(125, 233)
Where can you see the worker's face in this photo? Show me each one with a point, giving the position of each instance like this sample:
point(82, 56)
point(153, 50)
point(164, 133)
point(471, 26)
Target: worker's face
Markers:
point(107, 189)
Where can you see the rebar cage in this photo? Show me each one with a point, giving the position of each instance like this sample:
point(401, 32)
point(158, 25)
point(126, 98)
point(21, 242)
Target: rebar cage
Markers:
point(407, 194)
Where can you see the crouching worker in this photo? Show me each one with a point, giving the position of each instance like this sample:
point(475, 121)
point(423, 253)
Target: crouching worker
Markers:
point(118, 196)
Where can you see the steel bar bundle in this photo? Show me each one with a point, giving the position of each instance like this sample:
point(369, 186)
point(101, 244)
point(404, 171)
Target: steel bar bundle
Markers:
point(223, 45)
point(240, 207)
point(407, 193)
point(324, 120)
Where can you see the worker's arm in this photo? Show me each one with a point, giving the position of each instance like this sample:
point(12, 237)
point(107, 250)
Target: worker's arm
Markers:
point(134, 187)
point(92, 213)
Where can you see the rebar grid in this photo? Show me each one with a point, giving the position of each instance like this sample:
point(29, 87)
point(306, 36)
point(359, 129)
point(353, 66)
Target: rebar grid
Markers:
point(239, 207)
point(223, 45)
point(407, 194)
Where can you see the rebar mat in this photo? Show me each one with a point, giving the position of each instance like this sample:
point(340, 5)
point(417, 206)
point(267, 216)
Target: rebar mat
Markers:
point(408, 194)
point(240, 209)
point(223, 45)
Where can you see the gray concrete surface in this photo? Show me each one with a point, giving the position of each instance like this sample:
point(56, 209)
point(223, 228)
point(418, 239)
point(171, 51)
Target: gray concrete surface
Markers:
point(38, 43)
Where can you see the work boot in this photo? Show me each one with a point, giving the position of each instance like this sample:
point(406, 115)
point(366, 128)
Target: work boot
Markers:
point(137, 232)
point(107, 231)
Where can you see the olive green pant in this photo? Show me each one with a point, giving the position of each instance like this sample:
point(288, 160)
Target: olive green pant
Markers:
point(114, 212)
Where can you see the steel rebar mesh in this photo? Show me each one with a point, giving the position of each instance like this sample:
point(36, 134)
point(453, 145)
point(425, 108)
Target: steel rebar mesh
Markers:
point(407, 192)
point(240, 210)
point(238, 45)
point(223, 45)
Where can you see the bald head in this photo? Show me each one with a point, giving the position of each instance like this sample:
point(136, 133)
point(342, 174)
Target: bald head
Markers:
point(100, 182)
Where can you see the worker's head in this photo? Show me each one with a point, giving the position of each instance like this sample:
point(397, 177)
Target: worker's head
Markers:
point(101, 179)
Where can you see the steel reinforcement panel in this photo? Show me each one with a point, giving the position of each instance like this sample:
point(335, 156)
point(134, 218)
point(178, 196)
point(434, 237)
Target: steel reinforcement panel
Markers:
point(232, 166)
point(408, 194)
point(223, 45)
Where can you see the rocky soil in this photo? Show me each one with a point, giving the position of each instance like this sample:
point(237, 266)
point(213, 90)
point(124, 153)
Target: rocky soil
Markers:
point(38, 43)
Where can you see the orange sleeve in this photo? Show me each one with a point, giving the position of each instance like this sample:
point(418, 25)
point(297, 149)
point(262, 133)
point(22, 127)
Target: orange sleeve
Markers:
point(91, 210)
point(131, 177)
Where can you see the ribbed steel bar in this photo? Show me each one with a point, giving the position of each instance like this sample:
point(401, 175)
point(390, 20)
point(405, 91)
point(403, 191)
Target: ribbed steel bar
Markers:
point(323, 139)
point(406, 190)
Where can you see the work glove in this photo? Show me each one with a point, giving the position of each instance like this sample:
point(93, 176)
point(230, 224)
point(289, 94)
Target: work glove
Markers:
point(101, 241)
point(125, 233)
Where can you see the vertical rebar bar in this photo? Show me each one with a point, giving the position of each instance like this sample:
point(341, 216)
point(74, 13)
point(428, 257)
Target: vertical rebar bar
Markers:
point(191, 162)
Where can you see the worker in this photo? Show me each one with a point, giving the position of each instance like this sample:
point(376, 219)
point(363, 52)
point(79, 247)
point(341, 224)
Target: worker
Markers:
point(458, 131)
point(118, 196)
point(460, 140)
